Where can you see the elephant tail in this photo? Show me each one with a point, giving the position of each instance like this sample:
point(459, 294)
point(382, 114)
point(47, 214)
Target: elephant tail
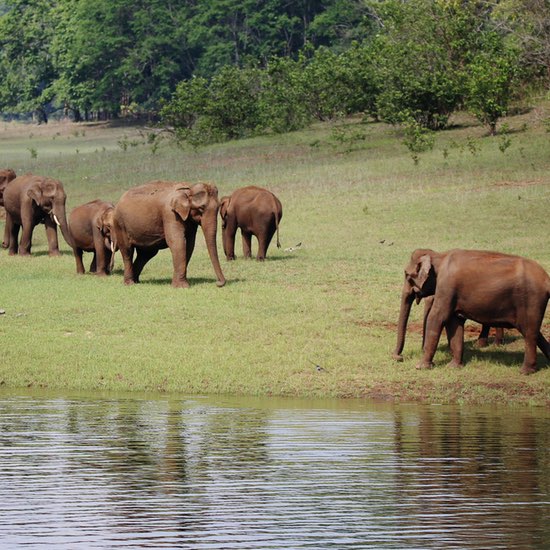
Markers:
point(278, 211)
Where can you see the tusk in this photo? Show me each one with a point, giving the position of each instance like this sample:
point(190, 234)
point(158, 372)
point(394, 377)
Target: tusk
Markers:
point(56, 220)
point(112, 247)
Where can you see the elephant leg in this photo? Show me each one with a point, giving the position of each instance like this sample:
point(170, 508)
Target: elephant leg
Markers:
point(436, 320)
point(428, 303)
point(499, 336)
point(543, 345)
point(51, 235)
point(6, 239)
point(78, 258)
point(127, 253)
point(228, 238)
point(102, 256)
point(93, 265)
point(530, 357)
point(142, 257)
point(455, 333)
point(26, 238)
point(14, 238)
point(190, 237)
point(483, 339)
point(108, 261)
point(263, 243)
point(178, 248)
point(247, 243)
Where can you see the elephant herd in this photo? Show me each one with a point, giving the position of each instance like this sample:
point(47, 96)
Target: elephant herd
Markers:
point(146, 219)
point(494, 289)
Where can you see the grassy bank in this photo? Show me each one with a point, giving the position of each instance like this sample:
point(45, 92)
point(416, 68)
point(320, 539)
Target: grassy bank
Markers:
point(358, 206)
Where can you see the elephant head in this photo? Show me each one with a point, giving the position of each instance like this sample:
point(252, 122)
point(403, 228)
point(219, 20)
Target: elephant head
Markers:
point(5, 177)
point(104, 223)
point(199, 203)
point(49, 197)
point(420, 282)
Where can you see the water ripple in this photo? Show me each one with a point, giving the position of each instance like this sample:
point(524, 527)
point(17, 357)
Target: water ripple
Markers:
point(201, 474)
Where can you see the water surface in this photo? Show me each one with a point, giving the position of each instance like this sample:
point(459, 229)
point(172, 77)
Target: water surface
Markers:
point(105, 472)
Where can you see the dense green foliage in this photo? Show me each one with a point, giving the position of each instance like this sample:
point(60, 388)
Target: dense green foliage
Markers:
point(116, 56)
point(223, 69)
point(421, 62)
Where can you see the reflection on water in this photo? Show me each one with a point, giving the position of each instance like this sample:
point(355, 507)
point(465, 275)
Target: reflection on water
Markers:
point(218, 473)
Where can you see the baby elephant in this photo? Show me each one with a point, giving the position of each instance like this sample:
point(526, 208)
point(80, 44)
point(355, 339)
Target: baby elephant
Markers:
point(256, 211)
point(91, 226)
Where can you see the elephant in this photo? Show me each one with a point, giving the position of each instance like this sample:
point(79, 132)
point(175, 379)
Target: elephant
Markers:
point(30, 200)
point(492, 288)
point(163, 214)
point(91, 228)
point(6, 176)
point(428, 297)
point(256, 211)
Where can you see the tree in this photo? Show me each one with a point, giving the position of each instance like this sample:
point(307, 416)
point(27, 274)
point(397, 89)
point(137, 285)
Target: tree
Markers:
point(26, 71)
point(492, 78)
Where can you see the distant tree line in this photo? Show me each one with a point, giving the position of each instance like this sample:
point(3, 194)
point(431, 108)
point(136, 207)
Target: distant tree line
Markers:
point(223, 69)
point(417, 63)
point(103, 58)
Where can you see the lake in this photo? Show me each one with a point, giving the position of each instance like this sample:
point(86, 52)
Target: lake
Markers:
point(137, 471)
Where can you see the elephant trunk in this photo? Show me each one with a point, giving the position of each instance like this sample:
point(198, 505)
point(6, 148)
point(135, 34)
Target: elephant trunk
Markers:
point(60, 218)
point(407, 298)
point(209, 228)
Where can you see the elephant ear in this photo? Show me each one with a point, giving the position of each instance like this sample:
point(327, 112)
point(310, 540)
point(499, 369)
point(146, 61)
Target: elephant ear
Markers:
point(199, 197)
point(423, 269)
point(35, 192)
point(104, 220)
point(181, 202)
point(224, 205)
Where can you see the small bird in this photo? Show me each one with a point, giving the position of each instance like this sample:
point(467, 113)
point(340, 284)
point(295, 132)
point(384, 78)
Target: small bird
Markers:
point(293, 248)
point(318, 368)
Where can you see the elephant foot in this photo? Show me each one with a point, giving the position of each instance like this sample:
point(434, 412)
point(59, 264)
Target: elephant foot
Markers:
point(54, 253)
point(101, 274)
point(424, 365)
point(230, 258)
point(455, 364)
point(397, 357)
point(181, 284)
point(482, 342)
point(528, 370)
point(5, 245)
point(129, 282)
point(22, 253)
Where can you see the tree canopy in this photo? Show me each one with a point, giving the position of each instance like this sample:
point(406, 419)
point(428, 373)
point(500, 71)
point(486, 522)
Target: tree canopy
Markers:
point(109, 56)
point(402, 61)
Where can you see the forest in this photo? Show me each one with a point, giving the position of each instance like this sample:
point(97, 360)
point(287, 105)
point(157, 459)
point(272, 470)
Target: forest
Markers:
point(212, 70)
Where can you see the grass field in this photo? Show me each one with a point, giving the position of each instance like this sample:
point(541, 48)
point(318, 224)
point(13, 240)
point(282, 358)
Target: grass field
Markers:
point(358, 206)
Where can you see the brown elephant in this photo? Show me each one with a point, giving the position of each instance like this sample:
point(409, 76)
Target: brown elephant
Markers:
point(30, 200)
point(91, 227)
point(482, 341)
point(491, 288)
point(163, 214)
point(256, 211)
point(6, 176)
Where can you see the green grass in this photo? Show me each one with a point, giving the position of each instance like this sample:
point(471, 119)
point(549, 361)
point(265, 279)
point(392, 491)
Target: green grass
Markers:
point(333, 302)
